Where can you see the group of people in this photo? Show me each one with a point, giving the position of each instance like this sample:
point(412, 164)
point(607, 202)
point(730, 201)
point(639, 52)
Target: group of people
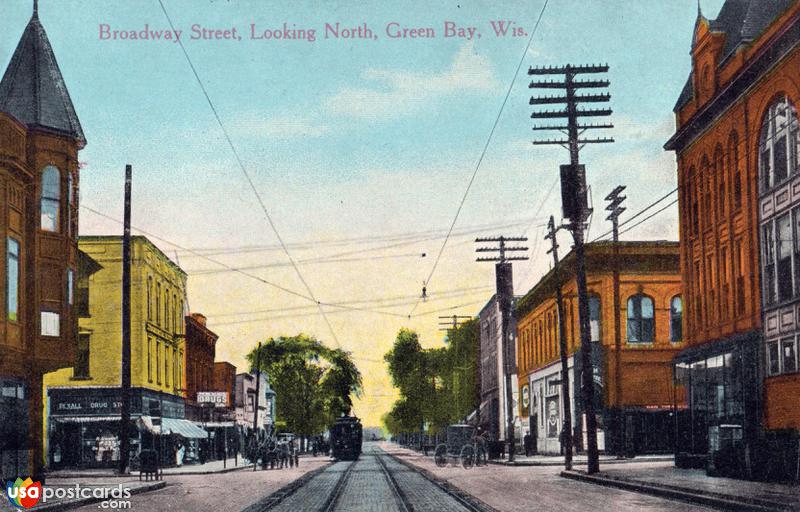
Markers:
point(272, 453)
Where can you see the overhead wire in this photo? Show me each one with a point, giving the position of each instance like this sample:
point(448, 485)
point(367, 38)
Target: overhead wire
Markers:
point(482, 155)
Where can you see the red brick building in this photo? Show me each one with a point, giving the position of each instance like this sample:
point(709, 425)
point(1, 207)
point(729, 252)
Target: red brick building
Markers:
point(225, 381)
point(737, 144)
point(40, 136)
point(199, 363)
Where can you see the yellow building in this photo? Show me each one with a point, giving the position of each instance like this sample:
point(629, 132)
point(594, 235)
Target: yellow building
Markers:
point(82, 406)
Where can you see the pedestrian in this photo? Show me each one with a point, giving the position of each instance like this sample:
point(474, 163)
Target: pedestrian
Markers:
point(562, 439)
point(179, 454)
point(527, 442)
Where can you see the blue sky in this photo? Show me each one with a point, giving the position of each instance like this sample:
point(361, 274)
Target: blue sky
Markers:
point(353, 138)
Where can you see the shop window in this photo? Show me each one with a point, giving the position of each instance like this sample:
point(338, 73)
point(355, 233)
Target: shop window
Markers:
point(641, 325)
point(676, 319)
point(783, 230)
point(51, 198)
point(594, 316)
point(773, 358)
point(768, 248)
point(778, 143)
point(51, 323)
point(789, 355)
point(12, 279)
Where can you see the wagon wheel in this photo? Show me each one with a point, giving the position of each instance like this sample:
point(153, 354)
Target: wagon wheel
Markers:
point(440, 456)
point(467, 457)
point(480, 455)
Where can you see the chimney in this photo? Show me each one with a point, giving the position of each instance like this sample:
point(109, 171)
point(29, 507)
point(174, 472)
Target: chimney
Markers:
point(200, 318)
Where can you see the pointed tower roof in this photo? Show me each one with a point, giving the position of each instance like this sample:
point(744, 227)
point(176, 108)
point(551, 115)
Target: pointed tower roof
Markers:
point(33, 90)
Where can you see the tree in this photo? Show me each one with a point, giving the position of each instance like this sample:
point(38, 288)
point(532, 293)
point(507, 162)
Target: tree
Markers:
point(437, 386)
point(313, 384)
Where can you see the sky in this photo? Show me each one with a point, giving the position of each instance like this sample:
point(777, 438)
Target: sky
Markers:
point(361, 150)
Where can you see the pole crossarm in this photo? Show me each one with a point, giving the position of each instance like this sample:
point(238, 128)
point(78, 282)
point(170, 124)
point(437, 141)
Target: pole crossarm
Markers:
point(585, 98)
point(562, 70)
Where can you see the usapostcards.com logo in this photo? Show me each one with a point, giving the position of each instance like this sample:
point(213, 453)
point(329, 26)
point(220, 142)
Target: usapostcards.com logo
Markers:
point(24, 493)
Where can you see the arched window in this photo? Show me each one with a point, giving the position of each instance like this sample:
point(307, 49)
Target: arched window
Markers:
point(594, 316)
point(51, 198)
point(676, 319)
point(719, 172)
point(778, 143)
point(706, 179)
point(734, 171)
point(641, 324)
point(70, 205)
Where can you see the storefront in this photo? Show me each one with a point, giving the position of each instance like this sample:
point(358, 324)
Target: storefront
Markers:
point(719, 428)
point(546, 409)
point(14, 425)
point(83, 426)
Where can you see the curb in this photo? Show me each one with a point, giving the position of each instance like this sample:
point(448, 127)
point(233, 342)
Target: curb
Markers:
point(273, 499)
point(134, 474)
point(579, 462)
point(719, 501)
point(87, 501)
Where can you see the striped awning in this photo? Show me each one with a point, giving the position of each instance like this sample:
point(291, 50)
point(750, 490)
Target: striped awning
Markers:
point(183, 428)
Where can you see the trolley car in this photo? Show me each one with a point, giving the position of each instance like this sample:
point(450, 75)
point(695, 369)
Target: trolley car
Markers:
point(346, 438)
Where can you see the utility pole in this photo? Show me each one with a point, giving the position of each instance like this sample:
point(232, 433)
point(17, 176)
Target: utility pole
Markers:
point(448, 323)
point(255, 409)
point(125, 391)
point(505, 296)
point(574, 203)
point(615, 201)
point(562, 345)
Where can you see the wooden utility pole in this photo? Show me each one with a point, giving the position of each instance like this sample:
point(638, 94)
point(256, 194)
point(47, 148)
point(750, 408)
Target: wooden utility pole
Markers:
point(614, 201)
point(125, 417)
point(505, 297)
point(562, 345)
point(574, 203)
point(255, 408)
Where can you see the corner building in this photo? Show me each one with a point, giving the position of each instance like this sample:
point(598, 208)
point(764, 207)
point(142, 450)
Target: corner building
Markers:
point(639, 418)
point(736, 143)
point(40, 137)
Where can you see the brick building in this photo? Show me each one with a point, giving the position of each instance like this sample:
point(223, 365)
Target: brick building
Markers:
point(199, 361)
point(40, 137)
point(651, 333)
point(736, 143)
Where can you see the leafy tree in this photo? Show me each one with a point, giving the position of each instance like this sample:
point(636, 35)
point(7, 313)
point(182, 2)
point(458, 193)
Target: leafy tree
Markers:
point(313, 384)
point(437, 386)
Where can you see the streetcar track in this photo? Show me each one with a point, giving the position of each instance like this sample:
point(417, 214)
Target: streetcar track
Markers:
point(469, 502)
point(330, 502)
point(402, 499)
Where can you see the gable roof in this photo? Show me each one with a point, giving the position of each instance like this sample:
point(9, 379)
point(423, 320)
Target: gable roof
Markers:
point(33, 89)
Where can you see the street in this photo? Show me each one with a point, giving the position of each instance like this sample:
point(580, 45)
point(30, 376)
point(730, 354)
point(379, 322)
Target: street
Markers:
point(378, 481)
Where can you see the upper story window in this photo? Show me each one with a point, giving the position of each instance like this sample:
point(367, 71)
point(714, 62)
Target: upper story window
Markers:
point(71, 220)
point(641, 321)
point(676, 319)
point(734, 171)
point(594, 316)
point(51, 323)
point(778, 144)
point(51, 198)
point(12, 279)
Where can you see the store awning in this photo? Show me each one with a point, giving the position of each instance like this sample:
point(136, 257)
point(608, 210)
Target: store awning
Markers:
point(183, 428)
point(86, 419)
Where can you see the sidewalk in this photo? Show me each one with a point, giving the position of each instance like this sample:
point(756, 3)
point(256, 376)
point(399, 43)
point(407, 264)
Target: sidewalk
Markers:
point(577, 460)
point(211, 467)
point(62, 486)
point(694, 486)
